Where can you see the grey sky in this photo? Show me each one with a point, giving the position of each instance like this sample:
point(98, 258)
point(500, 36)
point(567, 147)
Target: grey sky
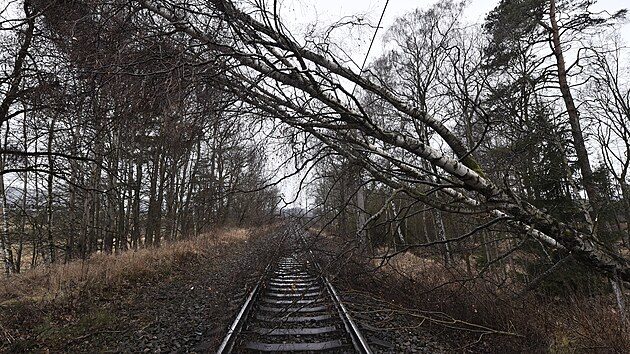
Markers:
point(301, 14)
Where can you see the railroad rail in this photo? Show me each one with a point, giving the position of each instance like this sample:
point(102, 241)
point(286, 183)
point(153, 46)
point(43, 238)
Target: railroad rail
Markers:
point(293, 308)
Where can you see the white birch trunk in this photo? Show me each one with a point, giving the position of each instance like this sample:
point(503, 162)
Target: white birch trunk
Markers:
point(398, 230)
point(441, 235)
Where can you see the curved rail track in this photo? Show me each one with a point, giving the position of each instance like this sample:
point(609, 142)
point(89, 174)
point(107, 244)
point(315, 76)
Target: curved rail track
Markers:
point(293, 308)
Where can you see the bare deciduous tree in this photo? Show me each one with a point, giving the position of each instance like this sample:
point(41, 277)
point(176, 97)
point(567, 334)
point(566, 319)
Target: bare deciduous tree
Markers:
point(299, 84)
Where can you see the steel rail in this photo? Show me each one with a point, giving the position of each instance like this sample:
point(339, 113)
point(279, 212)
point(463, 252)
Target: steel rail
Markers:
point(358, 341)
point(235, 328)
point(233, 331)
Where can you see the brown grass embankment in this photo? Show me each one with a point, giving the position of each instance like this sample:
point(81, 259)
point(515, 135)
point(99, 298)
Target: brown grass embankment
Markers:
point(101, 271)
point(107, 300)
point(454, 303)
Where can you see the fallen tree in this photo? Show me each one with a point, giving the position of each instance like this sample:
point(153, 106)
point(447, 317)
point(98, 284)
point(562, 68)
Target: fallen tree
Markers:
point(304, 85)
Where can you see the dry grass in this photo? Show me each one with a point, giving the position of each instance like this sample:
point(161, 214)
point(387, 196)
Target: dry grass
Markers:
point(544, 324)
point(587, 326)
point(103, 271)
point(108, 301)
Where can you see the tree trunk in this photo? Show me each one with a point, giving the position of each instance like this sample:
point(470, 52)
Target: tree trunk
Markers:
point(397, 231)
point(96, 229)
point(152, 212)
point(49, 196)
point(5, 241)
point(135, 234)
point(72, 198)
point(584, 164)
point(171, 202)
point(187, 218)
point(441, 235)
point(160, 200)
point(121, 212)
point(36, 239)
point(22, 232)
point(625, 195)
point(5, 245)
point(361, 217)
point(110, 202)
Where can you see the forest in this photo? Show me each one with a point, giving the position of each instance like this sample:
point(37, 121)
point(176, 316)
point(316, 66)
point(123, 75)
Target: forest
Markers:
point(498, 150)
point(104, 158)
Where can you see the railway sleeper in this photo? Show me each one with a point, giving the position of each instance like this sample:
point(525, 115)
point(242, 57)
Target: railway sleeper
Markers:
point(294, 331)
point(293, 347)
point(293, 312)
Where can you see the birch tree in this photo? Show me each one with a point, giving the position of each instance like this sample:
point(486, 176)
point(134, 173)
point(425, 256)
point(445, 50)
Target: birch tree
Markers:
point(298, 84)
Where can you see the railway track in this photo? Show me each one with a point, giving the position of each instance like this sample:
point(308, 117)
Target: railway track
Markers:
point(293, 308)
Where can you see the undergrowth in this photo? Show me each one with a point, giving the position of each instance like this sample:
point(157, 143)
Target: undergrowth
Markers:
point(518, 321)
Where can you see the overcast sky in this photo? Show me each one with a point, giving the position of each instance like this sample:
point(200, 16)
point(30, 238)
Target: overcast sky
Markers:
point(303, 13)
point(300, 15)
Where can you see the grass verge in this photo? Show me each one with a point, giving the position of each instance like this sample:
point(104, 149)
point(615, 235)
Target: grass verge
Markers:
point(105, 301)
point(484, 314)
